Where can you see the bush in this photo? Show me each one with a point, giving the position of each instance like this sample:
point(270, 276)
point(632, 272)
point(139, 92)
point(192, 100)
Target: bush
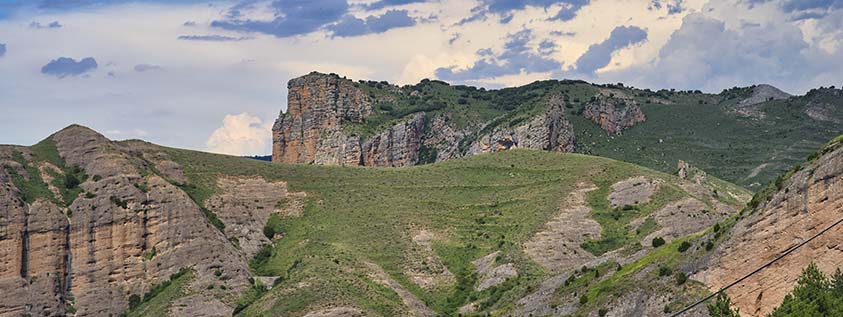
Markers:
point(583, 299)
point(657, 242)
point(664, 271)
point(134, 301)
point(681, 278)
point(70, 181)
point(684, 246)
point(602, 312)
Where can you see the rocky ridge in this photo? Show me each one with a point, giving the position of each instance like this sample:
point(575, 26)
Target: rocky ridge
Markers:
point(129, 227)
point(322, 107)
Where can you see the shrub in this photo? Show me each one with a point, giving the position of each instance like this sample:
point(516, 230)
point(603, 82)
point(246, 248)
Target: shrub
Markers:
point(657, 242)
point(134, 301)
point(684, 246)
point(583, 299)
point(681, 278)
point(70, 181)
point(664, 271)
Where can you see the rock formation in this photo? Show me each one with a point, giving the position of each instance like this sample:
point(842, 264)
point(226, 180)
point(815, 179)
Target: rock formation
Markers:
point(805, 203)
point(317, 106)
point(128, 229)
point(613, 114)
point(322, 110)
point(550, 131)
point(762, 93)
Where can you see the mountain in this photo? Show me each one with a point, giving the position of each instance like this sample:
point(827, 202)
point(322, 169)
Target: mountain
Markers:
point(747, 136)
point(94, 227)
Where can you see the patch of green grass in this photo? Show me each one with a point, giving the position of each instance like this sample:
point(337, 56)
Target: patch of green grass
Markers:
point(617, 231)
point(158, 300)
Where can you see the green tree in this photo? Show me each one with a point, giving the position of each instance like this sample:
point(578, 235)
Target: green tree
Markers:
point(722, 307)
point(814, 295)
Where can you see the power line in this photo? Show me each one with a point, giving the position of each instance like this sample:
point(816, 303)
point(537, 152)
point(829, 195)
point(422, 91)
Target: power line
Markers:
point(786, 252)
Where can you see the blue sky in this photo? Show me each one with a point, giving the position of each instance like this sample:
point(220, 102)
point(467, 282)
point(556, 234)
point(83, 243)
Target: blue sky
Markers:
point(211, 75)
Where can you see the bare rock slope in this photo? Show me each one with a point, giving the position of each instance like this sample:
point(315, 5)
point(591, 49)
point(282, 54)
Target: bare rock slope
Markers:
point(805, 202)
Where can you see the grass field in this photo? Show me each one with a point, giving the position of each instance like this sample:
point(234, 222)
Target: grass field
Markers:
point(473, 206)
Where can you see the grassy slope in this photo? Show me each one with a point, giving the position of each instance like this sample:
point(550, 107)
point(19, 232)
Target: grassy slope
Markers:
point(475, 206)
point(694, 127)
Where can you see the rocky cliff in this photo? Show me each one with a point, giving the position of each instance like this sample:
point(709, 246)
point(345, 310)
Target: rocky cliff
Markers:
point(614, 114)
point(549, 131)
point(323, 110)
point(799, 205)
point(121, 228)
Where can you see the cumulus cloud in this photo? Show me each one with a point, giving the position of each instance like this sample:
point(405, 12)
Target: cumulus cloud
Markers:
point(350, 25)
point(147, 67)
point(65, 66)
point(705, 54)
point(599, 55)
point(240, 134)
point(213, 38)
point(292, 17)
point(51, 25)
point(517, 57)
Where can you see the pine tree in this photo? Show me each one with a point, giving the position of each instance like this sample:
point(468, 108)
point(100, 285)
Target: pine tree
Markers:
point(722, 307)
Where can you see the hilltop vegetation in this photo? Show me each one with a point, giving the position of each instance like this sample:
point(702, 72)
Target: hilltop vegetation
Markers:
point(738, 135)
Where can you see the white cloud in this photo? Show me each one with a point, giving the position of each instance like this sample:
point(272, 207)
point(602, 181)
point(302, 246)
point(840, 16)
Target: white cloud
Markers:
point(241, 134)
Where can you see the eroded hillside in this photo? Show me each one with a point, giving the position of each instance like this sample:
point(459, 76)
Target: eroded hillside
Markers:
point(504, 233)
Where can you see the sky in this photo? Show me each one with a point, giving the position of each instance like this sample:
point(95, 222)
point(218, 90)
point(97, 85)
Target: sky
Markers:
point(211, 75)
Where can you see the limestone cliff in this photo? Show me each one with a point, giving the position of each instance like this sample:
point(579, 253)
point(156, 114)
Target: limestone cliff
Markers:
point(804, 203)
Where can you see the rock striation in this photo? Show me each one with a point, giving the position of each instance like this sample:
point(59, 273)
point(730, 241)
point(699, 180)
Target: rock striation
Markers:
point(805, 203)
point(129, 229)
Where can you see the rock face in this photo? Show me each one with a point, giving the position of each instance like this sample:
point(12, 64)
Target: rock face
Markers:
point(317, 106)
point(550, 131)
point(129, 229)
point(321, 108)
point(613, 114)
point(806, 203)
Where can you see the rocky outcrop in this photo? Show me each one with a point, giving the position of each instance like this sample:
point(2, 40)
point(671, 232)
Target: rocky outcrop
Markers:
point(613, 114)
point(317, 106)
point(324, 110)
point(550, 131)
point(398, 146)
point(762, 93)
point(130, 229)
point(804, 204)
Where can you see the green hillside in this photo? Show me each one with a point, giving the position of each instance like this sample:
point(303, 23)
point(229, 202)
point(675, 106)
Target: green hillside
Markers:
point(700, 128)
point(357, 220)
